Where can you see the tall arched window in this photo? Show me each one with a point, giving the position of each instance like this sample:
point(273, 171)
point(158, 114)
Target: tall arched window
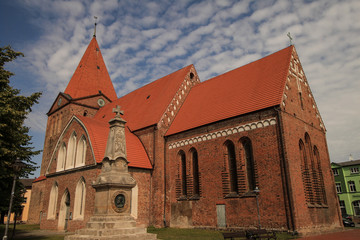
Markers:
point(70, 156)
point(81, 152)
point(183, 173)
point(79, 204)
point(312, 169)
point(195, 173)
point(321, 197)
point(231, 157)
point(61, 158)
point(305, 172)
point(249, 162)
point(53, 201)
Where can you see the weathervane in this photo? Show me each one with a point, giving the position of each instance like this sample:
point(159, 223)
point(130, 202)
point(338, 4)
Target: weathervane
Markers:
point(290, 38)
point(95, 17)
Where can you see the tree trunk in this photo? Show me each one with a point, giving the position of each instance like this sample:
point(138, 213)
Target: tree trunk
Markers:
point(13, 233)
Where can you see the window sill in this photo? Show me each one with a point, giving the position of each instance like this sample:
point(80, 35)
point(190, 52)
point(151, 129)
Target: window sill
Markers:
point(186, 198)
point(182, 198)
point(195, 197)
point(232, 195)
point(315, 205)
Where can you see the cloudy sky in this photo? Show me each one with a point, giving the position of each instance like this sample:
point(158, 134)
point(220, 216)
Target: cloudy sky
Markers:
point(142, 41)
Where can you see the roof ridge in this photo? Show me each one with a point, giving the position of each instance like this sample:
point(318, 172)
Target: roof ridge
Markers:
point(154, 81)
point(229, 71)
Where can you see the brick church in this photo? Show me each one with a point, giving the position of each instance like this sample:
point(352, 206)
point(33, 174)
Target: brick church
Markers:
point(243, 149)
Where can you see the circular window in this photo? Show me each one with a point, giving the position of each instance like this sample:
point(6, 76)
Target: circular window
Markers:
point(101, 102)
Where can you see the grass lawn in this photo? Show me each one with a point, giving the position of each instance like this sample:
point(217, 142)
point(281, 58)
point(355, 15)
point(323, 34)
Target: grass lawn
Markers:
point(30, 228)
point(162, 233)
point(176, 233)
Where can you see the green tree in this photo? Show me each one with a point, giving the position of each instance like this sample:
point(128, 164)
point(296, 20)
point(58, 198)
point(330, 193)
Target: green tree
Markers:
point(15, 141)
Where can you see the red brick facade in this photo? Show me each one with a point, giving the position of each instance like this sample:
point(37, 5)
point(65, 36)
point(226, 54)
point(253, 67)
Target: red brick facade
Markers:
point(207, 176)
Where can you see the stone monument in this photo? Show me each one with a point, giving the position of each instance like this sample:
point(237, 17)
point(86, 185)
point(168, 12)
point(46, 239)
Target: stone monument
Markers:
point(111, 218)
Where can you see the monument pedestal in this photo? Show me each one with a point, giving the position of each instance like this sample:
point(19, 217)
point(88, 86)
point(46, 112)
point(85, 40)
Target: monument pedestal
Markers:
point(111, 227)
point(111, 218)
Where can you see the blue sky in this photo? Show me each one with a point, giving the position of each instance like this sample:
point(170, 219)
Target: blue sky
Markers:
point(142, 41)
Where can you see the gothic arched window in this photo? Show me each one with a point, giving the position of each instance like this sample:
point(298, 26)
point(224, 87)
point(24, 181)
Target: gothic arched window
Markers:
point(249, 163)
point(232, 168)
point(183, 173)
point(80, 152)
point(70, 156)
point(195, 173)
point(53, 201)
point(61, 158)
point(321, 194)
point(79, 203)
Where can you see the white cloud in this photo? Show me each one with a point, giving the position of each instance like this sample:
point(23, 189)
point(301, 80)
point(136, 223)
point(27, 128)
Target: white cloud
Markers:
point(145, 40)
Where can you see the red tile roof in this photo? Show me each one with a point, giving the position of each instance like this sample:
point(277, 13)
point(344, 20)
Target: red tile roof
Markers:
point(255, 86)
point(98, 134)
point(145, 106)
point(39, 179)
point(91, 75)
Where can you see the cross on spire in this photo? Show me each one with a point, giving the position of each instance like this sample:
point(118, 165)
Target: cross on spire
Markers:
point(118, 112)
point(95, 17)
point(290, 38)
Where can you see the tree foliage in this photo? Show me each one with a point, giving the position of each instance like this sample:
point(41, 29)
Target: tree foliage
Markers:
point(15, 141)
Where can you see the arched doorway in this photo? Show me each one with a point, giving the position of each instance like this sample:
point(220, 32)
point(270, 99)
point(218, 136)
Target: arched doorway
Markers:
point(64, 211)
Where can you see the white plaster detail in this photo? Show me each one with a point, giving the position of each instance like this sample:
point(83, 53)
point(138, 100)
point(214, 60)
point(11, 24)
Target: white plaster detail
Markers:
point(134, 201)
point(223, 133)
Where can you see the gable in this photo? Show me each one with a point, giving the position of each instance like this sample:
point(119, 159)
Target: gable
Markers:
point(255, 86)
point(60, 101)
point(76, 126)
point(297, 99)
point(96, 133)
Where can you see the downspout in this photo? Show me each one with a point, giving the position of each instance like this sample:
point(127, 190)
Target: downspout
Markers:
point(152, 171)
point(291, 223)
point(164, 182)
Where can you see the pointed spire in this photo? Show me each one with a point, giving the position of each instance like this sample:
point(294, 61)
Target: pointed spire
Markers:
point(91, 75)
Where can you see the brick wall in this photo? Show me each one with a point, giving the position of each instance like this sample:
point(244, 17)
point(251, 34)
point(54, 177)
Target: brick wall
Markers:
point(241, 210)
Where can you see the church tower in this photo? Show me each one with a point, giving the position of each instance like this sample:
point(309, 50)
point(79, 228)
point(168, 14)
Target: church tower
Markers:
point(89, 89)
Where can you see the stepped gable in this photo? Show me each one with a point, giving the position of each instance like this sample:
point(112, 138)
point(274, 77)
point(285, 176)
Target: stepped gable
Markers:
point(98, 133)
point(91, 75)
point(255, 86)
point(145, 106)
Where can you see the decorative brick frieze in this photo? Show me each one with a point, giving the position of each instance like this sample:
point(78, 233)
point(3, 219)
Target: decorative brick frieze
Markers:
point(224, 133)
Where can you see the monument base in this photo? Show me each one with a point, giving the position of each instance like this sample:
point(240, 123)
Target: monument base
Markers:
point(111, 227)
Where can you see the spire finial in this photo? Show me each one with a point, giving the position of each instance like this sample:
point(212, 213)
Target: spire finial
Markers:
point(290, 38)
point(95, 17)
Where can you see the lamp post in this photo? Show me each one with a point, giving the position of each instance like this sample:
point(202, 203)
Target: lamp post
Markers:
point(17, 166)
point(257, 191)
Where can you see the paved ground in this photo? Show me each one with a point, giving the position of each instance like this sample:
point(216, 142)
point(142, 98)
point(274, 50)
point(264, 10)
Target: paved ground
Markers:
point(353, 234)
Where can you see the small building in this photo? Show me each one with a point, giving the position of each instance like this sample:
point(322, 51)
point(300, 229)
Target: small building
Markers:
point(23, 217)
point(347, 182)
